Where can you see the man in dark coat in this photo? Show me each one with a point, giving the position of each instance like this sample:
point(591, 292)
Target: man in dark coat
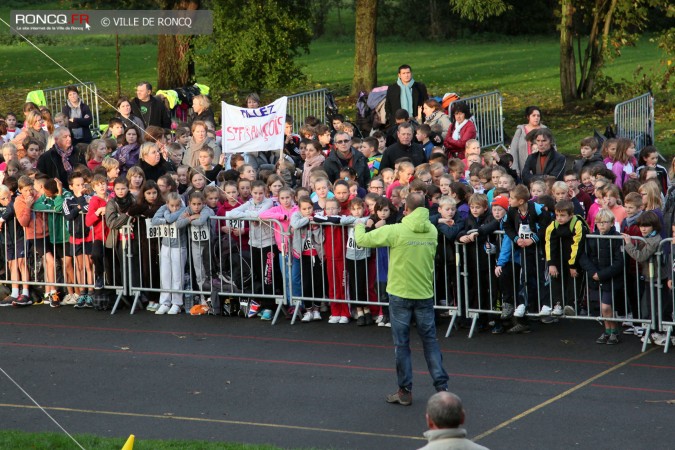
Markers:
point(59, 161)
point(406, 93)
point(404, 147)
point(344, 155)
point(149, 108)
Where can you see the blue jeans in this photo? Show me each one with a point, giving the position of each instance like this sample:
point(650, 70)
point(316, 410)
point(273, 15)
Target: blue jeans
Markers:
point(401, 311)
point(293, 280)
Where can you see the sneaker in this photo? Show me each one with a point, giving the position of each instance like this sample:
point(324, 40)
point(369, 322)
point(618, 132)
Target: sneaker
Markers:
point(640, 331)
point(81, 302)
point(307, 317)
point(98, 284)
point(368, 318)
point(384, 322)
point(38, 300)
point(569, 311)
point(361, 321)
point(507, 310)
point(402, 397)
point(659, 338)
point(266, 315)
point(629, 330)
point(152, 307)
point(549, 319)
point(497, 329)
point(388, 324)
point(316, 315)
point(545, 311)
point(71, 299)
point(175, 309)
point(54, 301)
point(557, 310)
point(379, 319)
point(23, 300)
point(334, 319)
point(344, 319)
point(163, 309)
point(89, 301)
point(8, 301)
point(613, 339)
point(520, 311)
point(519, 328)
point(604, 337)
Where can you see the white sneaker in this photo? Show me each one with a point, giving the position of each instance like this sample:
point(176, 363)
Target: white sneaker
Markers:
point(334, 319)
point(388, 324)
point(316, 315)
point(307, 317)
point(520, 310)
point(379, 319)
point(344, 319)
point(163, 309)
point(175, 309)
point(557, 310)
point(71, 299)
point(545, 311)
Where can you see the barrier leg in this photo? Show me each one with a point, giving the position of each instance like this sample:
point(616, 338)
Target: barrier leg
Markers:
point(669, 334)
point(648, 338)
point(453, 318)
point(137, 300)
point(276, 313)
point(474, 320)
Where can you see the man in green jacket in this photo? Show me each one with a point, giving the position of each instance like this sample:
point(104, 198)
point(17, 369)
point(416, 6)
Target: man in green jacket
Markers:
point(412, 248)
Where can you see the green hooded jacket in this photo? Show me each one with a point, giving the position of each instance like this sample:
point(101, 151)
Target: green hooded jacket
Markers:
point(58, 230)
point(412, 248)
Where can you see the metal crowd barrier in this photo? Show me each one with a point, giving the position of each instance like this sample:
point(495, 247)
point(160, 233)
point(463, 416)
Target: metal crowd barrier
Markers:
point(634, 119)
point(666, 306)
point(487, 114)
point(56, 98)
point(311, 103)
point(485, 293)
point(53, 262)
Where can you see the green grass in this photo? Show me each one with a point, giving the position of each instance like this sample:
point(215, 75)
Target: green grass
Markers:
point(54, 441)
point(524, 69)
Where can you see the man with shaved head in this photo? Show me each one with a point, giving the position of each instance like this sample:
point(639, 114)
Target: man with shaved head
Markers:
point(445, 416)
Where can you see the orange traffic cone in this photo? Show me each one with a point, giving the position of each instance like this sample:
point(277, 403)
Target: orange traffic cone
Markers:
point(129, 445)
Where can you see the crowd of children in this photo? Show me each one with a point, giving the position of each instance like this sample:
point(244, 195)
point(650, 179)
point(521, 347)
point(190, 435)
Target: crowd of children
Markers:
point(552, 247)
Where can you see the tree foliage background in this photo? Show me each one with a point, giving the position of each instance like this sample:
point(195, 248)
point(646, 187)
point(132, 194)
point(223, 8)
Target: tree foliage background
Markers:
point(254, 44)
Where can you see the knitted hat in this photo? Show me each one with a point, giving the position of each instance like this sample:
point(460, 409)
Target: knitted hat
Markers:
point(502, 201)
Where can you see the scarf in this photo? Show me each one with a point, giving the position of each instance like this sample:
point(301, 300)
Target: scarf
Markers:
point(458, 129)
point(65, 154)
point(76, 113)
point(406, 96)
point(123, 154)
point(311, 163)
point(125, 202)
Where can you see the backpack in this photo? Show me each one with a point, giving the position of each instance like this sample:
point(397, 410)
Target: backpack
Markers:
point(331, 107)
point(573, 222)
point(364, 114)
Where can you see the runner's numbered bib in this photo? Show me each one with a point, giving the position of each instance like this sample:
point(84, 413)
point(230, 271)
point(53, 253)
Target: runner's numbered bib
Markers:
point(238, 224)
point(200, 233)
point(160, 231)
point(307, 244)
point(351, 241)
point(525, 232)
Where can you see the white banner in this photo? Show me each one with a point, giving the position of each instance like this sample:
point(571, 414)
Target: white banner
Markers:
point(254, 130)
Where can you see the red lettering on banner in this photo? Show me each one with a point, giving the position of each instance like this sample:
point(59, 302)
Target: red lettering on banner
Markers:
point(270, 129)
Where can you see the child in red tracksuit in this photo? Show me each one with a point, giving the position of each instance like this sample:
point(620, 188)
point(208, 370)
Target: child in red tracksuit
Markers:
point(334, 246)
point(100, 230)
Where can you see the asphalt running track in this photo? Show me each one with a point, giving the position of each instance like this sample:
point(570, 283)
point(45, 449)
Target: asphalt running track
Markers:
point(323, 386)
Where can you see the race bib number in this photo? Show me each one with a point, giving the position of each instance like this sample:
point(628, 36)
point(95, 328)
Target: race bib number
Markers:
point(525, 232)
point(161, 231)
point(238, 224)
point(200, 233)
point(351, 241)
point(307, 245)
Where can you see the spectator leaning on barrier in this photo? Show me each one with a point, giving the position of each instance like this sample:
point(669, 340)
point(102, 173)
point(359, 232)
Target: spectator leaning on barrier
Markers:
point(445, 415)
point(410, 287)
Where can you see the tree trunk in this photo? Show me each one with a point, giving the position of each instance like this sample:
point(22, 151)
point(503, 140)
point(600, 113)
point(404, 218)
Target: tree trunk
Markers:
point(568, 67)
point(365, 42)
point(175, 66)
point(597, 46)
